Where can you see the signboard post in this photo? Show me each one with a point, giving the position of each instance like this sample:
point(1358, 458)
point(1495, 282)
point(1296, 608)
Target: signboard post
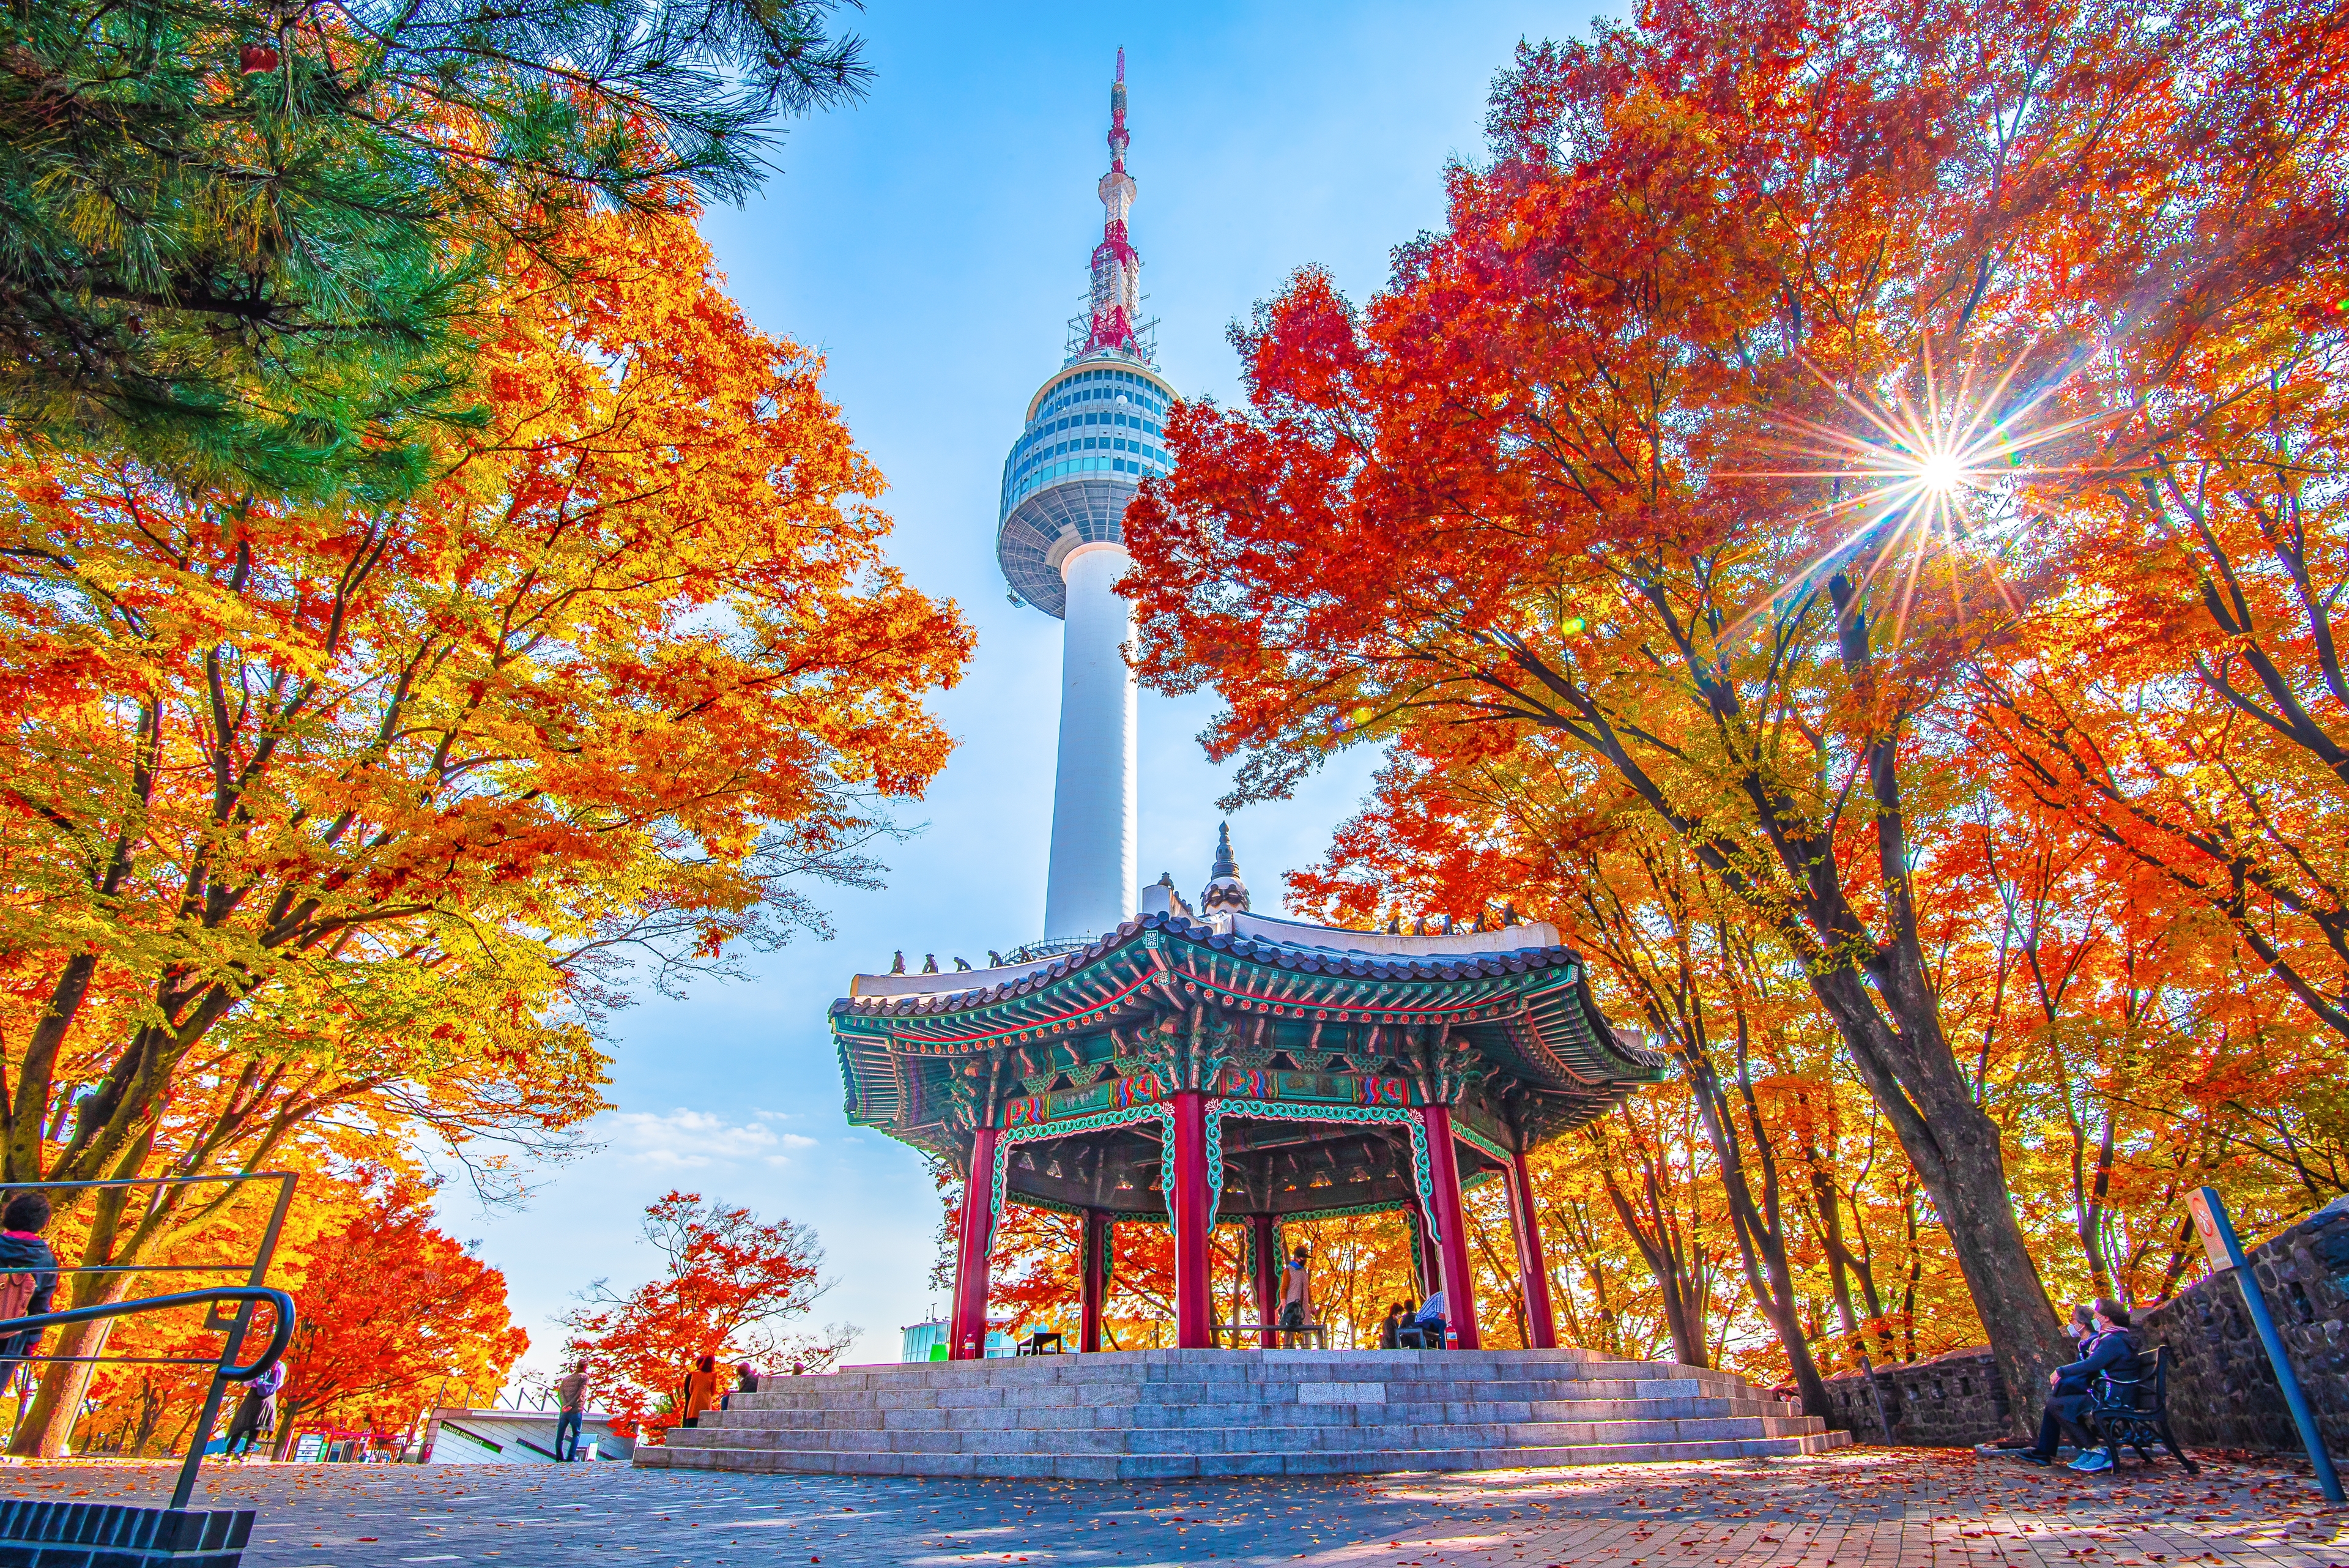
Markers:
point(2226, 1254)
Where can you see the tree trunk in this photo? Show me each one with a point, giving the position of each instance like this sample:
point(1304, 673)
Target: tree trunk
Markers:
point(1955, 1147)
point(1683, 1315)
point(1761, 1241)
point(281, 1447)
point(46, 1431)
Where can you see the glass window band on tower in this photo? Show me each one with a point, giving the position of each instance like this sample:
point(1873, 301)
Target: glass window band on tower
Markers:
point(1066, 480)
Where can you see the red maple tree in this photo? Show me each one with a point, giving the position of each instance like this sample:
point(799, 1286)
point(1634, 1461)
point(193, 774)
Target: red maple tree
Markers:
point(1730, 424)
point(390, 1311)
point(730, 1287)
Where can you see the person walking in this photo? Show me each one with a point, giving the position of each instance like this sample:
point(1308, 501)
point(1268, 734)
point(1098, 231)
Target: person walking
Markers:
point(701, 1389)
point(1293, 1312)
point(256, 1413)
point(570, 1410)
point(2109, 1345)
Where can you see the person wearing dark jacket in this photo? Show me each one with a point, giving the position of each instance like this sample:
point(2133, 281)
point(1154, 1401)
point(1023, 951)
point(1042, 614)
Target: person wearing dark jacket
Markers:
point(2070, 1389)
point(23, 1252)
point(256, 1413)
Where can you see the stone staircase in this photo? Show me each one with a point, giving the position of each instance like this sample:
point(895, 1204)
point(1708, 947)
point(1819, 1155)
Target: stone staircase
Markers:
point(1174, 1415)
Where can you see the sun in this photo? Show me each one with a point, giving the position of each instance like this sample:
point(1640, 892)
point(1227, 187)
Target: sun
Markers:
point(1942, 472)
point(1902, 481)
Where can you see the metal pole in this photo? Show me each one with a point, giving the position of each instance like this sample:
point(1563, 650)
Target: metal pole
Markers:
point(186, 1486)
point(2226, 1253)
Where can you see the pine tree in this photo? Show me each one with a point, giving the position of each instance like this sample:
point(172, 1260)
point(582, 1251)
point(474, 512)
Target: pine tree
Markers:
point(244, 244)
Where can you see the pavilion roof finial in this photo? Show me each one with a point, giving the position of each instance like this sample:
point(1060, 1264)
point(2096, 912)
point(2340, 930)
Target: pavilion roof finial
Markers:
point(1225, 890)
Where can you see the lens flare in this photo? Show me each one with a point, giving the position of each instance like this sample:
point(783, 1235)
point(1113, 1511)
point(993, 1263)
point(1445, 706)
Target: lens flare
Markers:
point(1905, 481)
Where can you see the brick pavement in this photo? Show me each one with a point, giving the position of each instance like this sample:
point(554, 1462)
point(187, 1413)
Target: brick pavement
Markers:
point(1863, 1508)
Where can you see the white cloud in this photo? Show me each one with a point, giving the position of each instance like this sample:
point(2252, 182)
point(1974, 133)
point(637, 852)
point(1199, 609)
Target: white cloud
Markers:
point(695, 1140)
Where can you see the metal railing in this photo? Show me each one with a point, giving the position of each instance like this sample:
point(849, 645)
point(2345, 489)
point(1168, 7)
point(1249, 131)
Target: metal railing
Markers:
point(226, 1368)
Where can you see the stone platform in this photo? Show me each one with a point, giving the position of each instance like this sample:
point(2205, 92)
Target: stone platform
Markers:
point(1174, 1415)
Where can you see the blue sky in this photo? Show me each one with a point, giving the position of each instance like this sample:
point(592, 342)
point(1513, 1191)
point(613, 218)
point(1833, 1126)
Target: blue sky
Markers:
point(932, 243)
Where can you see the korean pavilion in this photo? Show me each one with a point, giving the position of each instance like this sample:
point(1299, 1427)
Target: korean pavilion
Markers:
point(1224, 1065)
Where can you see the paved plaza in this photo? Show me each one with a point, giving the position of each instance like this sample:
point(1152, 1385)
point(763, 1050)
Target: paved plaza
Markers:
point(1860, 1508)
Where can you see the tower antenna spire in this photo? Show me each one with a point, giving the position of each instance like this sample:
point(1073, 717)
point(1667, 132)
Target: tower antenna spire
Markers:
point(1115, 305)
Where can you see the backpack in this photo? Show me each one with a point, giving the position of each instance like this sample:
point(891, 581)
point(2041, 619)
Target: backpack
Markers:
point(17, 1294)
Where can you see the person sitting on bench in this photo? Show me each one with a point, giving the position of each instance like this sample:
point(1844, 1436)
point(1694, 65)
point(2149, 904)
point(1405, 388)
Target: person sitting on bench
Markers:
point(1430, 1322)
point(2108, 1347)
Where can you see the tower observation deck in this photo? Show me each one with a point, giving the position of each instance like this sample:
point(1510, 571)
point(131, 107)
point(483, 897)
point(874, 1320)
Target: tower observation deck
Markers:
point(1094, 429)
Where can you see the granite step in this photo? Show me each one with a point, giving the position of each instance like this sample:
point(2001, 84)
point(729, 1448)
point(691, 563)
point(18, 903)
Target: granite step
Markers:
point(1063, 1466)
point(1237, 1440)
point(1175, 1414)
point(1146, 1417)
point(1310, 1392)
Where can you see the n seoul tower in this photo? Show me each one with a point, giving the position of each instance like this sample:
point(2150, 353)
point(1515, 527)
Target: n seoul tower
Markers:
point(1094, 427)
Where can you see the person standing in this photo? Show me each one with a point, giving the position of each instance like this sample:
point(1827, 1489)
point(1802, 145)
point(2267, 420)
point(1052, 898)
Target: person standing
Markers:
point(701, 1389)
point(28, 1273)
point(1293, 1312)
point(570, 1410)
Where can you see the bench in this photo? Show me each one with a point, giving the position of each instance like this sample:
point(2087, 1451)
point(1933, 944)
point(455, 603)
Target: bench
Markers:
point(1035, 1343)
point(2129, 1407)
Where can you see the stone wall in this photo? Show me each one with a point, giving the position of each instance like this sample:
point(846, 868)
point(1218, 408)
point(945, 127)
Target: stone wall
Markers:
point(2223, 1393)
point(1950, 1401)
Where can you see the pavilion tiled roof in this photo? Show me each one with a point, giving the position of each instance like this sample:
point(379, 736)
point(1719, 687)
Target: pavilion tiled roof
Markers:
point(1527, 1010)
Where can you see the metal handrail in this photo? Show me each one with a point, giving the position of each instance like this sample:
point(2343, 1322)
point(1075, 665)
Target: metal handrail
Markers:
point(281, 1333)
point(245, 1298)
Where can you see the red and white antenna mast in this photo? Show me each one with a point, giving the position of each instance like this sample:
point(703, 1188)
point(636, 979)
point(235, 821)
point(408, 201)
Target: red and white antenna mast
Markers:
point(1115, 314)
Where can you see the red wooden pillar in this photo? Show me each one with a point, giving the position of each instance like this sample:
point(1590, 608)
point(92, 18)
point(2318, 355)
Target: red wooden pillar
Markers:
point(968, 1320)
point(1533, 1269)
point(1186, 1204)
point(1422, 1266)
point(1452, 1247)
point(1266, 1236)
point(1092, 1282)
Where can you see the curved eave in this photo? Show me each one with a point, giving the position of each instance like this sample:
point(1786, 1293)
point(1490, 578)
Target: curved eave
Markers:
point(1529, 1010)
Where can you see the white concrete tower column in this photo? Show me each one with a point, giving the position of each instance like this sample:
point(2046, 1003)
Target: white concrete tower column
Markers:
point(1088, 886)
point(1095, 433)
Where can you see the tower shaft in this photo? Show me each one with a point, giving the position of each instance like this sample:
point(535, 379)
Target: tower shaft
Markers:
point(1088, 886)
point(1095, 431)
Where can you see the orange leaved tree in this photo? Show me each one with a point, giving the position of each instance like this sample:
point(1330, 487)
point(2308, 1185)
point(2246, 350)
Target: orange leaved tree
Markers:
point(389, 1309)
point(729, 1286)
point(323, 811)
point(1729, 418)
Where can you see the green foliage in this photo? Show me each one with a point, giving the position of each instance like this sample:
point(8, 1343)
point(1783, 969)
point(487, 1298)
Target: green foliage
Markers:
point(246, 244)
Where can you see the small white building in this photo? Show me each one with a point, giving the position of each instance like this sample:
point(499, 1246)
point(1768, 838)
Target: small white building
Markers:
point(457, 1435)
